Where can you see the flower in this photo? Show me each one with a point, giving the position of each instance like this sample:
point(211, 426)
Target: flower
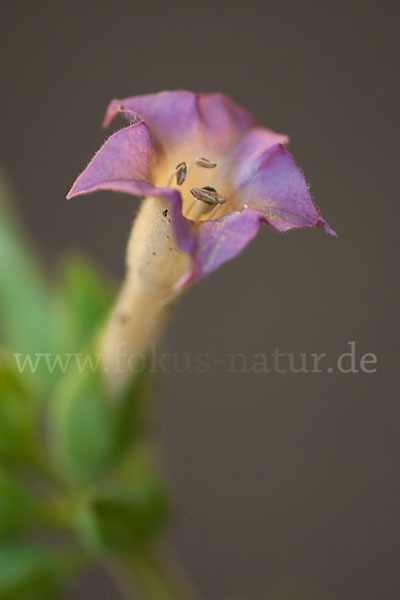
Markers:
point(222, 175)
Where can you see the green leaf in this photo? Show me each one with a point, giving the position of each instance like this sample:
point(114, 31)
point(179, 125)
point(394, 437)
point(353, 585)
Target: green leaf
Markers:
point(90, 430)
point(82, 302)
point(131, 410)
point(24, 298)
point(17, 506)
point(28, 572)
point(18, 412)
point(82, 426)
point(121, 518)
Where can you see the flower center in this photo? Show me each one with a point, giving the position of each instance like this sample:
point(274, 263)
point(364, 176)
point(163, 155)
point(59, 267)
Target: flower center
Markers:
point(204, 202)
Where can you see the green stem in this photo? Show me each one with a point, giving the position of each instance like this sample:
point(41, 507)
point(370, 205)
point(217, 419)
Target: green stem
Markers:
point(150, 579)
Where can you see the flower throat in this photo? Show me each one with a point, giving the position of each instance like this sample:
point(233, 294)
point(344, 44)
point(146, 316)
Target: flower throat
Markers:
point(206, 200)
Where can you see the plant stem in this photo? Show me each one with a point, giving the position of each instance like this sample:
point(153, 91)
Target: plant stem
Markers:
point(154, 265)
point(144, 574)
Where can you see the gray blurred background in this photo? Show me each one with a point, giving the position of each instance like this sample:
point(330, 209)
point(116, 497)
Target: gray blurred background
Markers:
point(286, 485)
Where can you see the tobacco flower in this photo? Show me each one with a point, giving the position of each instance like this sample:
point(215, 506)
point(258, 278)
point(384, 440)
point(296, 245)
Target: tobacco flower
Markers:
point(221, 175)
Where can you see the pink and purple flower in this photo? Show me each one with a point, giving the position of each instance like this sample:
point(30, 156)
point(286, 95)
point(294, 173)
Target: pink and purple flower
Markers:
point(222, 174)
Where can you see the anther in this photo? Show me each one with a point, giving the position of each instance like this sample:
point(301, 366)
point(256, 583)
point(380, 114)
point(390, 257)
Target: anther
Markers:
point(205, 163)
point(181, 172)
point(207, 195)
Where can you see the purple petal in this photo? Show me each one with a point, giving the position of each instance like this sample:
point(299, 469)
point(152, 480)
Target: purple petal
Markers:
point(171, 116)
point(256, 141)
point(219, 241)
point(123, 164)
point(115, 108)
point(176, 118)
point(269, 182)
point(223, 122)
point(127, 156)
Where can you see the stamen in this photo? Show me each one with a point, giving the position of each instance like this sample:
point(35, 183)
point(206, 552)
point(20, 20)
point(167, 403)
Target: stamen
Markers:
point(180, 172)
point(205, 163)
point(214, 211)
point(206, 195)
point(221, 201)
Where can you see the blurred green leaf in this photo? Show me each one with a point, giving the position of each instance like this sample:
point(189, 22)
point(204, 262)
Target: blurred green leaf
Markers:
point(132, 408)
point(82, 302)
point(81, 425)
point(90, 430)
point(122, 518)
point(24, 297)
point(17, 506)
point(28, 572)
point(18, 409)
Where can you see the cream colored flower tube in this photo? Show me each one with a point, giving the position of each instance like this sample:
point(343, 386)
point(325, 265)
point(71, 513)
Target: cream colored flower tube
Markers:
point(154, 265)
